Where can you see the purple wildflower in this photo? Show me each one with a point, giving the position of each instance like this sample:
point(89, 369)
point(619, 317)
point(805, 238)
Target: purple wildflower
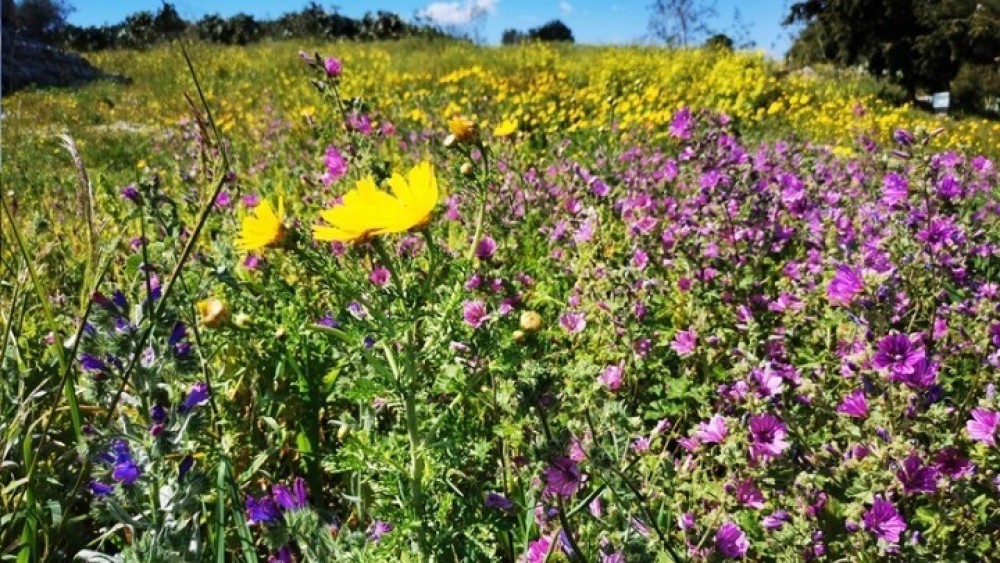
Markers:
point(197, 395)
point(612, 377)
point(131, 193)
point(499, 502)
point(917, 477)
point(332, 67)
point(951, 462)
point(262, 511)
point(538, 551)
point(474, 313)
point(379, 276)
point(883, 520)
point(776, 520)
point(158, 414)
point(767, 434)
point(292, 499)
point(894, 189)
point(983, 426)
point(898, 355)
point(283, 555)
point(126, 471)
point(748, 494)
point(562, 477)
point(100, 490)
point(336, 165)
point(573, 322)
point(712, 432)
point(486, 248)
point(684, 342)
point(378, 529)
point(681, 124)
point(731, 542)
point(846, 284)
point(854, 404)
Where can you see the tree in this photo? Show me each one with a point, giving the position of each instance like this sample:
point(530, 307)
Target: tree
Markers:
point(168, 22)
point(555, 30)
point(7, 13)
point(719, 41)
point(680, 22)
point(41, 18)
point(918, 44)
point(512, 37)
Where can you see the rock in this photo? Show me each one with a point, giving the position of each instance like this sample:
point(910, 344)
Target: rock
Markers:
point(27, 62)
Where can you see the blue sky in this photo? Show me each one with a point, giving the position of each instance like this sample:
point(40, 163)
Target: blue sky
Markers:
point(592, 21)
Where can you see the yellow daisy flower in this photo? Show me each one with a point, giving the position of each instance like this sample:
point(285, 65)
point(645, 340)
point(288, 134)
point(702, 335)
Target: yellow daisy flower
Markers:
point(506, 129)
point(263, 229)
point(464, 130)
point(367, 211)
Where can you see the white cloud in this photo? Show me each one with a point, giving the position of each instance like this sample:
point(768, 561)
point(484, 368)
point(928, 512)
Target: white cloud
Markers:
point(565, 7)
point(455, 13)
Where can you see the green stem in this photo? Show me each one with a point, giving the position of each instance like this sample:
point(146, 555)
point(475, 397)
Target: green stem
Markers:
point(406, 389)
point(416, 469)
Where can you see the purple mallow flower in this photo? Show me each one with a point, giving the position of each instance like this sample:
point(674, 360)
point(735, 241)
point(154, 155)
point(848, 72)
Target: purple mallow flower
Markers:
point(983, 426)
point(713, 431)
point(731, 542)
point(538, 551)
point(562, 478)
point(917, 477)
point(953, 463)
point(573, 322)
point(883, 520)
point(854, 404)
point(776, 520)
point(684, 342)
point(898, 355)
point(611, 377)
point(846, 284)
point(474, 313)
point(767, 435)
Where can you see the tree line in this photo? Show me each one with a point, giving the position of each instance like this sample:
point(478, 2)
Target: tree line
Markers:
point(45, 20)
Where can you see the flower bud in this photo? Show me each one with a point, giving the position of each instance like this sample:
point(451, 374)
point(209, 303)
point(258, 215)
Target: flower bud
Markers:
point(530, 321)
point(466, 169)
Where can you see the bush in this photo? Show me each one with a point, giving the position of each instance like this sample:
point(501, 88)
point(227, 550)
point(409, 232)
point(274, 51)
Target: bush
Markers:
point(976, 88)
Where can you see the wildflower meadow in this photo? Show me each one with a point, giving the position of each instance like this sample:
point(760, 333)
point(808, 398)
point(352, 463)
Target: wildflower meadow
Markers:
point(425, 301)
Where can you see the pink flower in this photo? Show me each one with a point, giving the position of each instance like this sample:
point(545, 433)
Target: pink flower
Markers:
point(846, 284)
point(854, 405)
point(684, 342)
point(336, 165)
point(474, 313)
point(983, 426)
point(612, 377)
point(332, 66)
point(380, 276)
point(573, 322)
point(712, 432)
point(883, 520)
